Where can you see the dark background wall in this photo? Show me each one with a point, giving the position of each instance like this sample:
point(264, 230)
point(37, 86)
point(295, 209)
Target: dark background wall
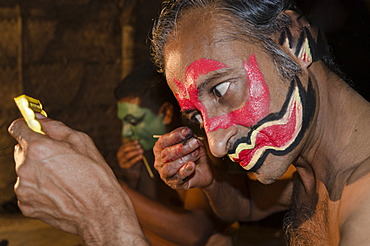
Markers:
point(71, 54)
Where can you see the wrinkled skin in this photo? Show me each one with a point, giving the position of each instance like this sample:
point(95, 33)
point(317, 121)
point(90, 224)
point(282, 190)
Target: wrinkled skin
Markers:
point(330, 203)
point(182, 160)
point(221, 93)
point(63, 180)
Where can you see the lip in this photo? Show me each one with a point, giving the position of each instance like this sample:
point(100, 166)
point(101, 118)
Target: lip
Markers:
point(244, 157)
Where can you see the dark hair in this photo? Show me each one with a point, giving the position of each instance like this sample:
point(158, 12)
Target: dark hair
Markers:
point(255, 20)
point(147, 84)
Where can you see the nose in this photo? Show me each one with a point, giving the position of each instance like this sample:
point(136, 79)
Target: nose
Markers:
point(126, 130)
point(218, 141)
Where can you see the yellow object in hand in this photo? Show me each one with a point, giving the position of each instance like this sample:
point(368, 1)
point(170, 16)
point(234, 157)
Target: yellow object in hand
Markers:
point(28, 106)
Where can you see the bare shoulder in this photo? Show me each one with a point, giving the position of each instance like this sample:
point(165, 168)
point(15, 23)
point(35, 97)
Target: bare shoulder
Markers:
point(355, 207)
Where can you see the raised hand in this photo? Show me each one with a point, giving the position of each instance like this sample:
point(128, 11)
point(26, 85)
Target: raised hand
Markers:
point(130, 156)
point(182, 161)
point(64, 181)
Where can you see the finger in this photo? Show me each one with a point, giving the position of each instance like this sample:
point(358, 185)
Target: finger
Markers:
point(22, 133)
point(56, 129)
point(18, 156)
point(178, 135)
point(170, 169)
point(187, 170)
point(130, 148)
point(130, 157)
point(125, 151)
point(131, 162)
point(180, 150)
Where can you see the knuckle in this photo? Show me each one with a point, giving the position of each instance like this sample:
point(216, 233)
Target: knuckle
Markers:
point(77, 136)
point(37, 149)
point(22, 170)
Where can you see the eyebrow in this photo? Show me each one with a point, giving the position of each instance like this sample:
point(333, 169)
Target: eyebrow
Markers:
point(215, 75)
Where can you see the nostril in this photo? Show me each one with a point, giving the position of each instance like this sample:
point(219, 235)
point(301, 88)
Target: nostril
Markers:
point(220, 141)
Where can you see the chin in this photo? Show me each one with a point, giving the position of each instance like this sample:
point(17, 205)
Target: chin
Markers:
point(270, 171)
point(264, 179)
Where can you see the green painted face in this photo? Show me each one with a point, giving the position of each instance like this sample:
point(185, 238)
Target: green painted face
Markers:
point(140, 123)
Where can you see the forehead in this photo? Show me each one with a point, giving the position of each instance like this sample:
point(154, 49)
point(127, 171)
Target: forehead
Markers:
point(130, 106)
point(206, 34)
point(132, 100)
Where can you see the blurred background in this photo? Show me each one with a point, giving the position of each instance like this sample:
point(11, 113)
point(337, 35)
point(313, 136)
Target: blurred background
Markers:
point(71, 54)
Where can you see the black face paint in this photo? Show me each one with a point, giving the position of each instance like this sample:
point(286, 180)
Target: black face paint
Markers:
point(318, 48)
point(308, 100)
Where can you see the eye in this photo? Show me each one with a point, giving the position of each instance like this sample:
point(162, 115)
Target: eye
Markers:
point(133, 120)
point(197, 118)
point(220, 89)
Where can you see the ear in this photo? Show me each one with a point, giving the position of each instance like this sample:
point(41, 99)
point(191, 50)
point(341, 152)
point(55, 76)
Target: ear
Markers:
point(301, 40)
point(166, 112)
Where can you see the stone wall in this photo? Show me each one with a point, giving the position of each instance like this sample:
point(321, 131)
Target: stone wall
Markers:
point(68, 54)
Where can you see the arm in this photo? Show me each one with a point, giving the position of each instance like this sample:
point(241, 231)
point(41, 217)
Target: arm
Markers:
point(182, 163)
point(188, 225)
point(64, 181)
point(237, 197)
point(354, 213)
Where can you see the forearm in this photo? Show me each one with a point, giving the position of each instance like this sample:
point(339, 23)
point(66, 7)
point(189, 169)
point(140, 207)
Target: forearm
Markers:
point(171, 224)
point(113, 222)
point(230, 200)
point(237, 197)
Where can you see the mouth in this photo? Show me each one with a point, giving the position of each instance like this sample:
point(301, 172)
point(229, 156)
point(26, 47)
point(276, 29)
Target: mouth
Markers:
point(276, 133)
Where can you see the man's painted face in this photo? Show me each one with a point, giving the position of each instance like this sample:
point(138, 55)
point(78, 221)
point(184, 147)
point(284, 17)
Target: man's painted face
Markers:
point(234, 90)
point(139, 123)
point(268, 132)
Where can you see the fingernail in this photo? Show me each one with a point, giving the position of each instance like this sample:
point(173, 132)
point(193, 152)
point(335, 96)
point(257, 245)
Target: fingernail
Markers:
point(193, 142)
point(186, 132)
point(39, 116)
point(189, 167)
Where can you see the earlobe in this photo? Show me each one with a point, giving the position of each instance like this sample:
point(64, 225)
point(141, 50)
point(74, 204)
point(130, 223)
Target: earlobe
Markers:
point(166, 112)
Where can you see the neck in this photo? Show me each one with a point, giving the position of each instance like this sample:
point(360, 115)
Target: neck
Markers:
point(340, 136)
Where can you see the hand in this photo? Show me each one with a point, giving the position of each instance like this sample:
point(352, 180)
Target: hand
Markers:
point(64, 181)
point(130, 155)
point(182, 161)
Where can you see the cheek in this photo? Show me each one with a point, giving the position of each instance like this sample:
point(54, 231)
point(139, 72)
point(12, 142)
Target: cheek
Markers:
point(255, 108)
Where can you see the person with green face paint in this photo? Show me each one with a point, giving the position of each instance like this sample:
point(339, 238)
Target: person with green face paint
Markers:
point(146, 107)
point(140, 123)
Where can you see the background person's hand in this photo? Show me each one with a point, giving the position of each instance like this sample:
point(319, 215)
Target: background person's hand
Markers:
point(64, 181)
point(130, 155)
point(181, 160)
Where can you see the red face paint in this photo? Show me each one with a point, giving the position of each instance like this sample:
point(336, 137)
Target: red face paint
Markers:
point(273, 135)
point(255, 108)
point(188, 92)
